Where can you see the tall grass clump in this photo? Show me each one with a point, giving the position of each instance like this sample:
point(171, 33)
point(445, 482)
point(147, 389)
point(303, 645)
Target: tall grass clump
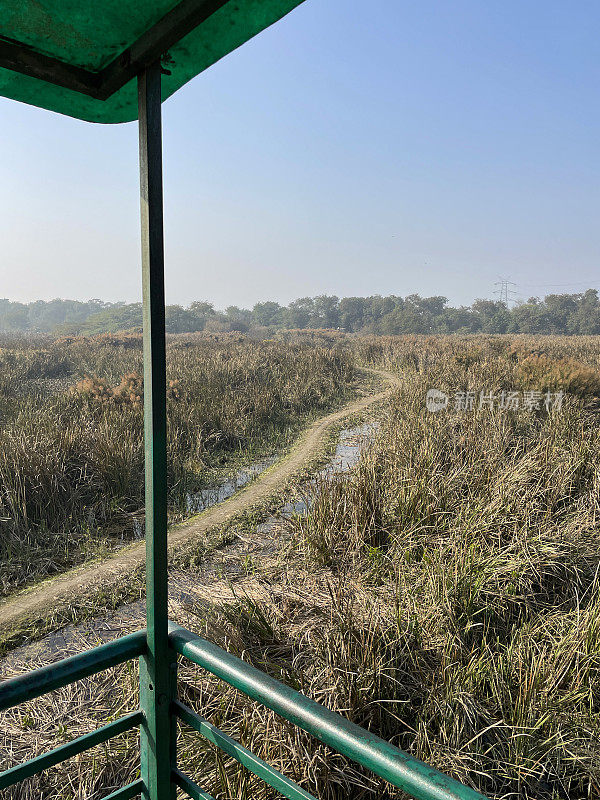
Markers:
point(444, 594)
point(476, 533)
point(71, 437)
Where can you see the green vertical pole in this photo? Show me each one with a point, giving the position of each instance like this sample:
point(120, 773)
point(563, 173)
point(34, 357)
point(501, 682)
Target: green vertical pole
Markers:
point(155, 666)
point(174, 723)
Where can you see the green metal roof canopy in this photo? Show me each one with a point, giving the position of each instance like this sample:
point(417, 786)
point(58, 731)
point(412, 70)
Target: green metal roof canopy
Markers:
point(81, 57)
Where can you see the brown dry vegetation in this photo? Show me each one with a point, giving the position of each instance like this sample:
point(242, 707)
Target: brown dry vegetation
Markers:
point(480, 530)
point(71, 444)
point(443, 594)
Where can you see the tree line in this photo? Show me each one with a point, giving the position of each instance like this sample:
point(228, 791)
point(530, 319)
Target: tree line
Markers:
point(554, 314)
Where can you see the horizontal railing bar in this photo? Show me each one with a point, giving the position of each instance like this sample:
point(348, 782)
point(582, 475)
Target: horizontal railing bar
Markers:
point(189, 787)
point(65, 751)
point(241, 754)
point(127, 792)
point(397, 767)
point(54, 676)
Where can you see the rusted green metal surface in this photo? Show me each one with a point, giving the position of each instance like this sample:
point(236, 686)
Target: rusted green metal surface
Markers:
point(82, 59)
point(154, 665)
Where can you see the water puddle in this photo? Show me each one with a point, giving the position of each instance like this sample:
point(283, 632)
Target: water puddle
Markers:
point(346, 456)
point(196, 502)
point(73, 638)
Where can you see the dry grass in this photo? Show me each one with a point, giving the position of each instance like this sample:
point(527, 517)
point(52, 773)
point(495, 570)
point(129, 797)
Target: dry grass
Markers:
point(71, 434)
point(54, 719)
point(444, 594)
point(482, 529)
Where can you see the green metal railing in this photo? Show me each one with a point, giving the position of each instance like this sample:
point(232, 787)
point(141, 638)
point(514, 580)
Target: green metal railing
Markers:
point(55, 676)
point(160, 645)
point(398, 768)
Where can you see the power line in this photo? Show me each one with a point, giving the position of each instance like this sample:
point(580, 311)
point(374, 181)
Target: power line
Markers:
point(589, 284)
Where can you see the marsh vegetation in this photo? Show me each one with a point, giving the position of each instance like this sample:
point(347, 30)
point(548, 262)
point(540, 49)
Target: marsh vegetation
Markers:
point(443, 593)
point(71, 433)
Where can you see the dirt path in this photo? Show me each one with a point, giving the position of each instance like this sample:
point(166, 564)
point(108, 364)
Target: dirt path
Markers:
point(48, 596)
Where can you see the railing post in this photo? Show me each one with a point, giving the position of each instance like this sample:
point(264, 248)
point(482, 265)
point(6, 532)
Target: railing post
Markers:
point(173, 665)
point(154, 667)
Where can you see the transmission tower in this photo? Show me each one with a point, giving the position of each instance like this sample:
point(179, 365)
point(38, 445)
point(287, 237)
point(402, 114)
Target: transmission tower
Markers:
point(504, 291)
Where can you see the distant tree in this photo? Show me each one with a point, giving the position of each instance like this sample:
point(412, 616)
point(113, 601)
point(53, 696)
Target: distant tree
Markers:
point(240, 319)
point(403, 320)
point(530, 317)
point(376, 308)
point(114, 319)
point(457, 320)
point(490, 316)
point(16, 318)
point(199, 313)
point(269, 313)
point(325, 312)
point(202, 308)
point(351, 313)
point(299, 313)
point(586, 319)
point(182, 320)
point(560, 308)
point(556, 314)
point(419, 314)
point(238, 314)
point(428, 306)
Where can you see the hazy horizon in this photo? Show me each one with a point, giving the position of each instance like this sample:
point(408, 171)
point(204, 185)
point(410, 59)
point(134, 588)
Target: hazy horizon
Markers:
point(348, 151)
point(285, 303)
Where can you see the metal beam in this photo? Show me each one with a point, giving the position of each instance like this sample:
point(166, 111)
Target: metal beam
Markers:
point(127, 792)
point(141, 54)
point(241, 754)
point(402, 770)
point(189, 787)
point(155, 665)
point(155, 42)
point(22, 58)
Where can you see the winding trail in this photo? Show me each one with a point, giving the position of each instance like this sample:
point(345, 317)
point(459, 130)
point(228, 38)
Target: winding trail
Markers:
point(48, 596)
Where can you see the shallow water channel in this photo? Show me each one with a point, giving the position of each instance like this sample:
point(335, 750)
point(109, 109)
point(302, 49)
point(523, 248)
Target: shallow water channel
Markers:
point(74, 638)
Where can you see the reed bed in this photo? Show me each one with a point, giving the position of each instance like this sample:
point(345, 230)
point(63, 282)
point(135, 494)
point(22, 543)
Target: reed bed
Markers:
point(480, 529)
point(443, 594)
point(71, 433)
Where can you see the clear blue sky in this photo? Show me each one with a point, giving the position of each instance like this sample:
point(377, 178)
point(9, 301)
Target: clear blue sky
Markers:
point(352, 149)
